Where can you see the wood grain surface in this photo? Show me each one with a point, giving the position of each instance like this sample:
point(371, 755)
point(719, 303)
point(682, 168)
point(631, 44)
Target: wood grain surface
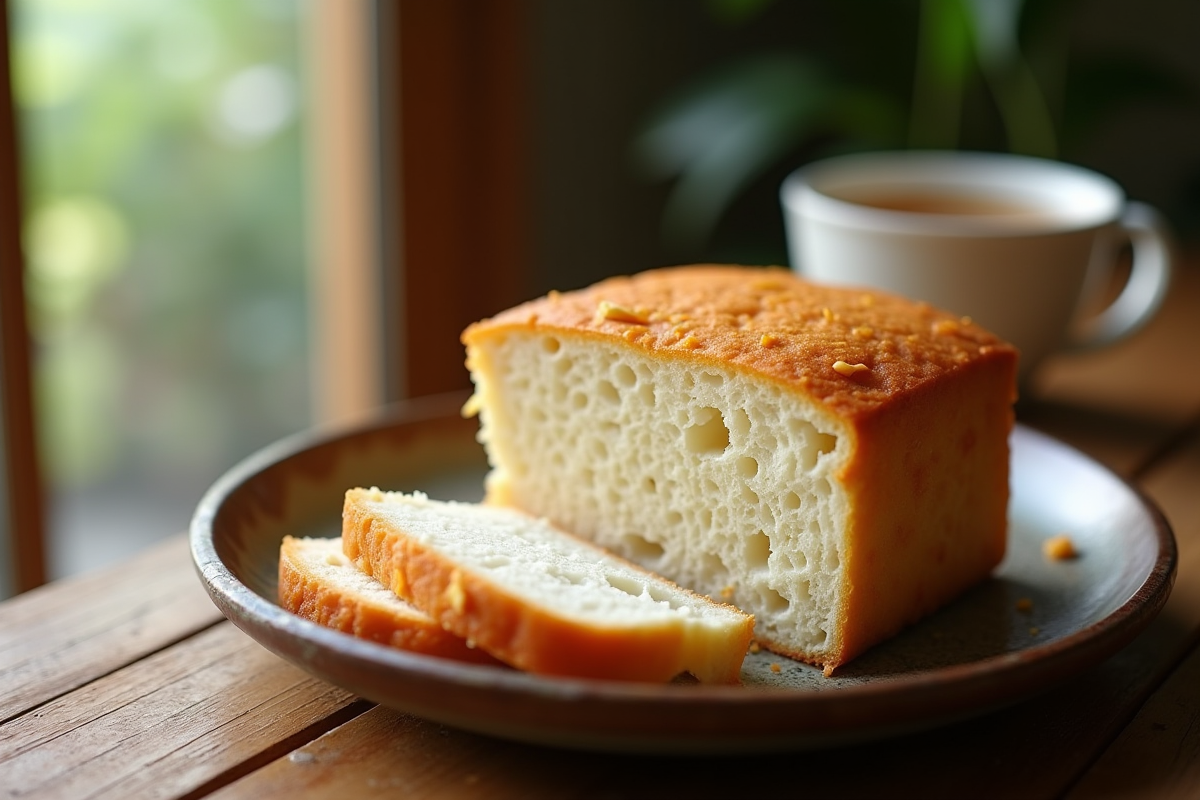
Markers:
point(55, 639)
point(213, 705)
point(1158, 754)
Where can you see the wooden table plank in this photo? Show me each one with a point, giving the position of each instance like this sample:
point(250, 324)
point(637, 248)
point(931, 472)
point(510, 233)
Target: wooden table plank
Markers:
point(1158, 755)
point(1123, 404)
point(194, 715)
point(1152, 375)
point(61, 636)
point(1034, 749)
point(1174, 485)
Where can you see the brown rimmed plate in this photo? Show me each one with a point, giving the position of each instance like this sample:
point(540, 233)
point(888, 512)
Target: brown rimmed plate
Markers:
point(988, 649)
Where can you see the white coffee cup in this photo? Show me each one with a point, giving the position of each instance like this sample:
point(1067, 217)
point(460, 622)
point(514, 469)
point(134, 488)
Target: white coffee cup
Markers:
point(1020, 245)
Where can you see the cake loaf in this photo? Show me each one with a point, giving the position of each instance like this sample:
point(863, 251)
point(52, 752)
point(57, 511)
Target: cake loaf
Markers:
point(536, 597)
point(832, 460)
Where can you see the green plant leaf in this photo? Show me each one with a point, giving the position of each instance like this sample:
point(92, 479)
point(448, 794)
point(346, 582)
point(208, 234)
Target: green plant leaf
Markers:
point(943, 62)
point(724, 131)
point(1028, 124)
point(867, 118)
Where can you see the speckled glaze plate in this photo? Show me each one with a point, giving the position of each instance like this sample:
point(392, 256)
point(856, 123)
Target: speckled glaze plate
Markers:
point(985, 650)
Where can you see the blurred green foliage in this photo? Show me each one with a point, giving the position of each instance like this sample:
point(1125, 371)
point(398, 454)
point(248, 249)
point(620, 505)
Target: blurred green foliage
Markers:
point(946, 74)
point(165, 233)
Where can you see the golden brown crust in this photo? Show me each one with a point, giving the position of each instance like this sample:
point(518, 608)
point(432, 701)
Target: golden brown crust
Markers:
point(524, 636)
point(854, 350)
point(938, 533)
point(309, 595)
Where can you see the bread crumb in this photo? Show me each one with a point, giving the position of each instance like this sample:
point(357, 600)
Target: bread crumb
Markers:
point(768, 284)
point(679, 331)
point(769, 340)
point(848, 370)
point(611, 311)
point(472, 406)
point(828, 314)
point(691, 342)
point(864, 332)
point(945, 327)
point(775, 666)
point(727, 592)
point(1059, 548)
point(755, 648)
point(1024, 605)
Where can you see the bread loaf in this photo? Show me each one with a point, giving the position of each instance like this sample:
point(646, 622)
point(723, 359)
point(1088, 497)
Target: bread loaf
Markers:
point(536, 597)
point(318, 582)
point(834, 461)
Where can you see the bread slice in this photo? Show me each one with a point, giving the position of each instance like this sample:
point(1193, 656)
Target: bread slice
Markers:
point(834, 461)
point(318, 582)
point(538, 598)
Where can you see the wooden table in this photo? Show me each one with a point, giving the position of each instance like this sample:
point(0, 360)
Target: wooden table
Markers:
point(129, 683)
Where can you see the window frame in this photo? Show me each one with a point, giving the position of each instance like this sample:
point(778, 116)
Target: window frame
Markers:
point(23, 493)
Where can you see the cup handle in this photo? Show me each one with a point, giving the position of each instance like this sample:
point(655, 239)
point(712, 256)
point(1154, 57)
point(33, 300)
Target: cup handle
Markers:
point(1149, 278)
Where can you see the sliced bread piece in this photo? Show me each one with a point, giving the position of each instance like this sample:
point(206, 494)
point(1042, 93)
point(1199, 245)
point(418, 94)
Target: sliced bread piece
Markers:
point(318, 582)
point(538, 598)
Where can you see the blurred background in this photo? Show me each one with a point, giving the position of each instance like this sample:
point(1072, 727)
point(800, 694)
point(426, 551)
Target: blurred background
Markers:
point(165, 253)
point(245, 218)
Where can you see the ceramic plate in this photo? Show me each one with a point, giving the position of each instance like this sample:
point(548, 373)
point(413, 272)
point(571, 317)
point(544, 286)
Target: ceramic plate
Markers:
point(985, 650)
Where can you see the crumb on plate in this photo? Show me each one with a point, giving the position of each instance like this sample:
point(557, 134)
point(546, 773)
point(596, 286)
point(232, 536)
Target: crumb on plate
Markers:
point(1059, 548)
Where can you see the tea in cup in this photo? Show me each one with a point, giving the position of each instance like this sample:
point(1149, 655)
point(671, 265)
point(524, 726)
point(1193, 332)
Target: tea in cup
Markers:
point(1020, 245)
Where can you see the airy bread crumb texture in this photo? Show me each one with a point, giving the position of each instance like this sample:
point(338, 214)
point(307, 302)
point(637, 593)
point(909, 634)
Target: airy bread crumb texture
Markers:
point(684, 469)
